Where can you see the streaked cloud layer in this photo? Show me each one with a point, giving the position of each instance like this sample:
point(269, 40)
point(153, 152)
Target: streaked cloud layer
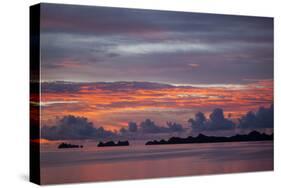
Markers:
point(81, 43)
point(113, 105)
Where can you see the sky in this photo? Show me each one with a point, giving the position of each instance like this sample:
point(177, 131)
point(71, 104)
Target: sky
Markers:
point(86, 43)
point(114, 105)
point(121, 65)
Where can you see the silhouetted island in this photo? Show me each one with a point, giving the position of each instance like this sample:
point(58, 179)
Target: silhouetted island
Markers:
point(65, 145)
point(111, 143)
point(252, 136)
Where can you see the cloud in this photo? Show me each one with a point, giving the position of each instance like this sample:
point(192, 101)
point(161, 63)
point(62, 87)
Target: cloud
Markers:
point(60, 87)
point(263, 118)
point(216, 121)
point(149, 127)
point(86, 43)
point(194, 65)
point(132, 127)
point(74, 127)
point(199, 122)
point(49, 103)
point(110, 104)
point(164, 47)
point(76, 87)
point(175, 127)
point(86, 20)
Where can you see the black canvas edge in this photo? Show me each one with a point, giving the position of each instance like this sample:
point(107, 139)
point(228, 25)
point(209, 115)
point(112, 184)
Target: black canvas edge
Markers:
point(34, 89)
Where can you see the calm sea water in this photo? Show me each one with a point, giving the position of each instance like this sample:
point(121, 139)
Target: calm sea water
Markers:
point(139, 161)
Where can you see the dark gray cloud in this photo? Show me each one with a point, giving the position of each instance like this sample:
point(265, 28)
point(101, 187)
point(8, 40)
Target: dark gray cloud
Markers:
point(149, 127)
point(132, 127)
point(61, 87)
point(216, 122)
point(199, 121)
point(86, 20)
point(74, 87)
point(86, 43)
point(263, 118)
point(72, 127)
point(175, 127)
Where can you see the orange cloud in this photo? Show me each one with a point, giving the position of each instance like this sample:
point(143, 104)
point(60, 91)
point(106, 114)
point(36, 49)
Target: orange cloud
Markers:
point(112, 109)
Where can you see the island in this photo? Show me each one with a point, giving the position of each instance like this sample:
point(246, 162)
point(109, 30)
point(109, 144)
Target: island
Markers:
point(66, 145)
point(111, 143)
point(201, 138)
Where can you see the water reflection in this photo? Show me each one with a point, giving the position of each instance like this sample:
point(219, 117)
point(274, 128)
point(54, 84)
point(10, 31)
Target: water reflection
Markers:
point(138, 161)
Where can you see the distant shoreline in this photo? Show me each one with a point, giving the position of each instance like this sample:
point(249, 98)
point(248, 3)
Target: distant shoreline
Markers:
point(252, 136)
point(113, 144)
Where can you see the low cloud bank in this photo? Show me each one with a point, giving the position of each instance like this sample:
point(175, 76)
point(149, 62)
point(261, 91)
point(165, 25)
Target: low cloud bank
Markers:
point(75, 127)
point(148, 126)
point(263, 118)
point(216, 121)
point(72, 127)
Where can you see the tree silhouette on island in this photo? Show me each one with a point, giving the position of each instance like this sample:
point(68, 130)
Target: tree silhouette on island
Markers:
point(201, 138)
point(111, 143)
point(66, 145)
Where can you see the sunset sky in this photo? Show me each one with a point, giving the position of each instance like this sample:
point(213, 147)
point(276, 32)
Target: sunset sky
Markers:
point(122, 65)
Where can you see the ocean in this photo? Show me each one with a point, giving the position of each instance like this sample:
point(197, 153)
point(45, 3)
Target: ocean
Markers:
point(138, 161)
